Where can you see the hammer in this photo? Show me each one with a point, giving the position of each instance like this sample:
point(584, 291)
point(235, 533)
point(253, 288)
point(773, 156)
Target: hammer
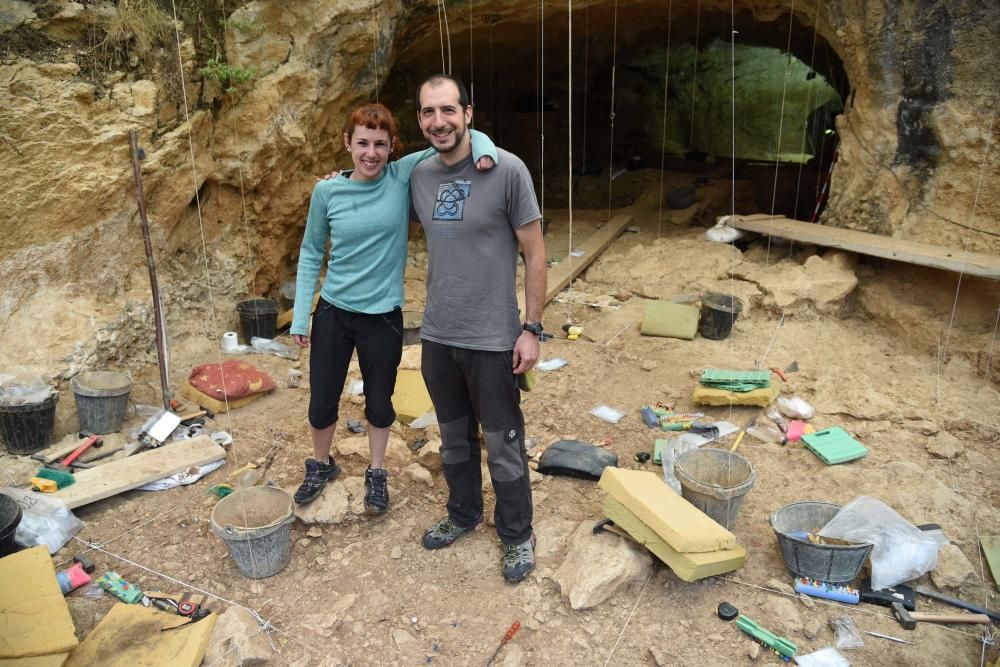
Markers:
point(65, 464)
point(909, 619)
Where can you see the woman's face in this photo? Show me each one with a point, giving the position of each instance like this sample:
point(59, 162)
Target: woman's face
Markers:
point(369, 150)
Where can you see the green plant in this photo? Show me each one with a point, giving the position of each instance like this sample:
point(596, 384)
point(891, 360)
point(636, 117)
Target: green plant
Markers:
point(229, 76)
point(135, 24)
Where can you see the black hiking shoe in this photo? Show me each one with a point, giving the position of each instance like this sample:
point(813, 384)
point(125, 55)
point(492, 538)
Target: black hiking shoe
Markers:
point(376, 490)
point(446, 531)
point(518, 560)
point(317, 475)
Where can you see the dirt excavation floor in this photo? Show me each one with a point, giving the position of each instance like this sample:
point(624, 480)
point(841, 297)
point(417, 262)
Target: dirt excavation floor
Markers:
point(363, 591)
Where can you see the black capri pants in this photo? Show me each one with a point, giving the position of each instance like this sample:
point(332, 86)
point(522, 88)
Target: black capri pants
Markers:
point(336, 333)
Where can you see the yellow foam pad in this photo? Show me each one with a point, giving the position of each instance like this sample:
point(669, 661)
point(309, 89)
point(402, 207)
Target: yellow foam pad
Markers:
point(34, 618)
point(410, 400)
point(687, 566)
point(681, 525)
point(215, 405)
point(762, 397)
point(670, 320)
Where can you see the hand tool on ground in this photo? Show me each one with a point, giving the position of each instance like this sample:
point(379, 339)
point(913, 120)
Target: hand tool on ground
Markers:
point(909, 619)
point(742, 433)
point(511, 631)
point(889, 637)
point(961, 604)
point(608, 526)
point(88, 442)
point(777, 371)
point(85, 563)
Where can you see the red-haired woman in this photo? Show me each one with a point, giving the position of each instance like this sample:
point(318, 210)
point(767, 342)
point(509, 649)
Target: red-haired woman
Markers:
point(364, 214)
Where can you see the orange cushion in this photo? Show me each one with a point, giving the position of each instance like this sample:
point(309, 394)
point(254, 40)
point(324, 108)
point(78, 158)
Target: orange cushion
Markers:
point(232, 378)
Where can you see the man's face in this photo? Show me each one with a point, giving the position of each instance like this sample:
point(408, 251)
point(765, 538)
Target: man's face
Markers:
point(442, 119)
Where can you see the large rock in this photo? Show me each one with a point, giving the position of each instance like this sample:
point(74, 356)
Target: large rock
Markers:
point(784, 614)
point(953, 569)
point(236, 640)
point(429, 456)
point(332, 506)
point(823, 281)
point(418, 474)
point(598, 565)
point(396, 451)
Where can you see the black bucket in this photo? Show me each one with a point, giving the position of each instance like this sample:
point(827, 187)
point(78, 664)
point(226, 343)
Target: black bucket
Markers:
point(259, 318)
point(26, 429)
point(10, 517)
point(718, 314)
point(681, 197)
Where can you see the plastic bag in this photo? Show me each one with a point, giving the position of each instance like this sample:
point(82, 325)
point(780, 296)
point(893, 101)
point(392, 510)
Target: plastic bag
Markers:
point(607, 414)
point(23, 388)
point(45, 520)
point(552, 364)
point(825, 657)
point(846, 633)
point(672, 449)
point(183, 478)
point(901, 552)
point(795, 408)
point(269, 346)
point(425, 420)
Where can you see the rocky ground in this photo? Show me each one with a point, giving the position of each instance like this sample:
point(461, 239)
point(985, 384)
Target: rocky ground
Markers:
point(361, 590)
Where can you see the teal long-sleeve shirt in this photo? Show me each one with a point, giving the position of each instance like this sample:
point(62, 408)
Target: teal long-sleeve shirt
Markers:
point(367, 224)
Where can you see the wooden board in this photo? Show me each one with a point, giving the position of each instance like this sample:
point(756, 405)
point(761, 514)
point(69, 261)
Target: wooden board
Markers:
point(125, 474)
point(131, 635)
point(682, 525)
point(687, 566)
point(285, 318)
point(560, 275)
point(911, 252)
point(991, 548)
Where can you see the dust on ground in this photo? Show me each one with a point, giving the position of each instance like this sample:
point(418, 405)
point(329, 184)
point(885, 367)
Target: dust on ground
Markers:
point(451, 607)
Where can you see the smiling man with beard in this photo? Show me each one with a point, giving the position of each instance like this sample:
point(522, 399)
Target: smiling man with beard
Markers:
point(474, 345)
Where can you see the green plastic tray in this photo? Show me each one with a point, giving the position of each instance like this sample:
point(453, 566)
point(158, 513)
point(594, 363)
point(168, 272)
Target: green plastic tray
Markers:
point(733, 380)
point(834, 445)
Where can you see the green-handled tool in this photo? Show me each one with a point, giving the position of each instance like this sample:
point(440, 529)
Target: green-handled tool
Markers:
point(779, 645)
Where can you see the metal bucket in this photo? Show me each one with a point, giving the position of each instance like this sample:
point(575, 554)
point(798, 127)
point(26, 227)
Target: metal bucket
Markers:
point(256, 525)
point(715, 481)
point(834, 563)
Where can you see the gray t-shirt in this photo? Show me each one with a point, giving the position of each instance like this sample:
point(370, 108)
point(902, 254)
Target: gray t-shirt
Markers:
point(469, 218)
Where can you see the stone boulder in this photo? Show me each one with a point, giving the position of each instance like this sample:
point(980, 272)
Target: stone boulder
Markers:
point(237, 639)
point(596, 566)
point(953, 569)
point(944, 446)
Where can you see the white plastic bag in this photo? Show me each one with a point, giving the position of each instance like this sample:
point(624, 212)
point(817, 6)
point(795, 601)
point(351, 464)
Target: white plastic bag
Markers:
point(901, 553)
point(183, 478)
point(612, 415)
point(552, 364)
point(795, 408)
point(825, 657)
point(45, 520)
point(672, 449)
point(425, 420)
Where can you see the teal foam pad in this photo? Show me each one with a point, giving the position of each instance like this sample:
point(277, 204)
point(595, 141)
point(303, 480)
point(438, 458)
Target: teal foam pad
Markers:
point(732, 380)
point(834, 445)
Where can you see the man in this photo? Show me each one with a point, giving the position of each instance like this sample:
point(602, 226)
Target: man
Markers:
point(474, 345)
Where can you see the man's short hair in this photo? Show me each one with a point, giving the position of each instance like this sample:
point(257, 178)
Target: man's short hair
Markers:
point(437, 80)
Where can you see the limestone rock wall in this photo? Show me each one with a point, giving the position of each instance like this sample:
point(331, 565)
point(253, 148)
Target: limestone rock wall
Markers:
point(915, 132)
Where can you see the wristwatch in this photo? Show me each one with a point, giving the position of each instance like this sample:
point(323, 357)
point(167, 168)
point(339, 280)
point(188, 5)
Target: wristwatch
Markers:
point(533, 327)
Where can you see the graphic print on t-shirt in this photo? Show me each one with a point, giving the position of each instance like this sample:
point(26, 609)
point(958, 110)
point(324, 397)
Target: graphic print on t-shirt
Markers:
point(450, 203)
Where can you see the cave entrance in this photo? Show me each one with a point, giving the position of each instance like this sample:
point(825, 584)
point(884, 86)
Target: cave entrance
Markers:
point(789, 86)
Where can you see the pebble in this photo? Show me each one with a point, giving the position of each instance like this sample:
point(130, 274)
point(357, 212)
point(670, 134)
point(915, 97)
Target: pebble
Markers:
point(396, 553)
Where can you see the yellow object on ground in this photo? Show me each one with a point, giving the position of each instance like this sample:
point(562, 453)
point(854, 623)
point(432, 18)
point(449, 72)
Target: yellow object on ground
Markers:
point(687, 566)
point(671, 320)
point(131, 635)
point(760, 397)
point(51, 660)
point(410, 399)
point(214, 404)
point(34, 618)
point(681, 525)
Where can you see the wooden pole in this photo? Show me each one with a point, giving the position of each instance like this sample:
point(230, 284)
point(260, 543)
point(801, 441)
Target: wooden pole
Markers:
point(161, 348)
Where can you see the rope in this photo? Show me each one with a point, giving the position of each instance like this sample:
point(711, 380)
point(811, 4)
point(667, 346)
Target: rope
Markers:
point(569, 126)
point(989, 357)
point(805, 126)
point(447, 32)
point(663, 141)
point(472, 66)
point(965, 251)
point(630, 614)
point(441, 36)
point(781, 125)
point(586, 81)
point(694, 74)
point(611, 142)
point(376, 38)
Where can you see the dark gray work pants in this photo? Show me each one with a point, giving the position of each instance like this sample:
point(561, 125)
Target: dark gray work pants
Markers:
point(470, 388)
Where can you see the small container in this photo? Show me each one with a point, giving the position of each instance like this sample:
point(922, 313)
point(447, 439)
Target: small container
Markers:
point(294, 378)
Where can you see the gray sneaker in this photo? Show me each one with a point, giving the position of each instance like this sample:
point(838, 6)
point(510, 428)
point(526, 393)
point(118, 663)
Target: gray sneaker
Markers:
point(446, 531)
point(518, 560)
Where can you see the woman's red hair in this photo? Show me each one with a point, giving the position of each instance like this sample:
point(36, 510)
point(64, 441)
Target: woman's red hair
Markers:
point(376, 117)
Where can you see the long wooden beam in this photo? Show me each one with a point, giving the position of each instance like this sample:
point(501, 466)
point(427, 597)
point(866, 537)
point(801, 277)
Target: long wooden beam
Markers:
point(560, 275)
point(901, 250)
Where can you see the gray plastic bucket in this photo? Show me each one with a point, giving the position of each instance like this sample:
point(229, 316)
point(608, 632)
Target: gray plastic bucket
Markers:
point(256, 525)
point(101, 400)
point(411, 326)
point(834, 563)
point(715, 481)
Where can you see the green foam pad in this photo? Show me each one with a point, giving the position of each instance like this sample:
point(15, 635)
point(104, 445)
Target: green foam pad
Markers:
point(833, 445)
point(732, 380)
point(670, 320)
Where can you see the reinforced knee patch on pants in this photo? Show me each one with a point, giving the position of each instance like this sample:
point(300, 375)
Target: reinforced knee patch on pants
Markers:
point(505, 455)
point(455, 441)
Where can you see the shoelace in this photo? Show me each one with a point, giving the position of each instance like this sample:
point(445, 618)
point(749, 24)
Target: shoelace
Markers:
point(444, 528)
point(513, 554)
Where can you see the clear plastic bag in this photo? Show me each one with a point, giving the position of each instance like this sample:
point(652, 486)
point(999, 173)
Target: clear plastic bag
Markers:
point(901, 552)
point(795, 408)
point(845, 633)
point(673, 448)
point(45, 520)
point(23, 388)
point(269, 346)
point(825, 657)
point(612, 415)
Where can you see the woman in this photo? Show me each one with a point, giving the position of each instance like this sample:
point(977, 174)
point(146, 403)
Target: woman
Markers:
point(365, 216)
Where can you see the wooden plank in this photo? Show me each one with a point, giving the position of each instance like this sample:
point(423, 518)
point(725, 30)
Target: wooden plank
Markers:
point(991, 549)
point(687, 566)
point(682, 525)
point(285, 318)
point(563, 273)
point(901, 250)
point(125, 474)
